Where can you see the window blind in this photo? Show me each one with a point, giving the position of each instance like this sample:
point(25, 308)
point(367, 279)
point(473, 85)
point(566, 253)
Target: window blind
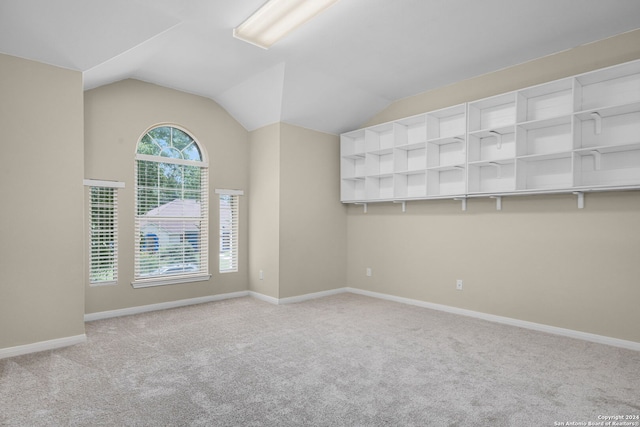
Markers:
point(103, 235)
point(229, 212)
point(171, 226)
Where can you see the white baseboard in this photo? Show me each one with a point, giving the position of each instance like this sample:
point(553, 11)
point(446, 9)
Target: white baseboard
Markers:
point(570, 333)
point(314, 295)
point(298, 298)
point(161, 306)
point(263, 297)
point(42, 346)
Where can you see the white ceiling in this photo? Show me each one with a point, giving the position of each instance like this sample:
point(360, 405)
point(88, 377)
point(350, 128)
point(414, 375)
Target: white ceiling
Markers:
point(331, 75)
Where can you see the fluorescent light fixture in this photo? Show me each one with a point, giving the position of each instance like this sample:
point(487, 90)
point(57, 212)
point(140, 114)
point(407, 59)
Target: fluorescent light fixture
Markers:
point(277, 18)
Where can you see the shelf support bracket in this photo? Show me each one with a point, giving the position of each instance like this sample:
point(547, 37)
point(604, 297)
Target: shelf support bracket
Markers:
point(580, 195)
point(597, 159)
point(364, 205)
point(404, 205)
point(498, 166)
point(498, 202)
point(464, 202)
point(597, 119)
point(498, 139)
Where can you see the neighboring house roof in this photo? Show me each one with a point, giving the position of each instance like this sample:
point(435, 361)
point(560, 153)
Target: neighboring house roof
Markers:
point(178, 208)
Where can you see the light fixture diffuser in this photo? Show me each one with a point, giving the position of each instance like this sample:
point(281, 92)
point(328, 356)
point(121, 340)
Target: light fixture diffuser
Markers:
point(277, 18)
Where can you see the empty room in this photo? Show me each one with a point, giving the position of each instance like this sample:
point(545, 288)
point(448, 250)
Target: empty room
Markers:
point(320, 212)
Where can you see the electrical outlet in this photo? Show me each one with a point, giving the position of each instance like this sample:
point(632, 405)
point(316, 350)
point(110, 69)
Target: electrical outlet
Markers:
point(261, 275)
point(369, 272)
point(459, 284)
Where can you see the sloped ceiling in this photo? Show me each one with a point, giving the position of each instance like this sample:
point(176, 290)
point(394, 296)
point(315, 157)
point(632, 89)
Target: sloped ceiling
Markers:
point(330, 75)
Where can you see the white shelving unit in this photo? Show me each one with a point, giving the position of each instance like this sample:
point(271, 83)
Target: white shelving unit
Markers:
point(572, 135)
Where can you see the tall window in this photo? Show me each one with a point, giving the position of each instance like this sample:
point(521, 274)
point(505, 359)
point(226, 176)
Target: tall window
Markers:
point(228, 230)
point(103, 216)
point(171, 222)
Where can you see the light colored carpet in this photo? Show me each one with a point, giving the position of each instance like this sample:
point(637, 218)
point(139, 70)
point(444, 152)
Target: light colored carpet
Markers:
point(344, 360)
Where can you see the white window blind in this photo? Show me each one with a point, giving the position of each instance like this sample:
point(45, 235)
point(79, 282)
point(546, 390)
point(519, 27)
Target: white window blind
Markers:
point(229, 215)
point(104, 235)
point(172, 216)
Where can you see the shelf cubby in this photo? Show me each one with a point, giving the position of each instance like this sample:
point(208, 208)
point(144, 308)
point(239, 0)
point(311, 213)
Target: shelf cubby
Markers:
point(448, 181)
point(410, 185)
point(544, 137)
point(608, 165)
point(546, 101)
point(379, 139)
point(492, 176)
point(353, 189)
point(618, 85)
point(411, 131)
point(544, 172)
point(352, 143)
point(612, 126)
point(446, 152)
point(447, 123)
point(353, 166)
point(497, 113)
point(410, 158)
point(379, 187)
point(379, 163)
point(490, 145)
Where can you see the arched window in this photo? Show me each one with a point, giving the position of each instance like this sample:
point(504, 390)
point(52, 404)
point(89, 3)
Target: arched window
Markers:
point(171, 222)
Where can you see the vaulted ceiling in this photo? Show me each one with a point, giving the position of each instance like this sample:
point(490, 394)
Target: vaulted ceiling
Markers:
point(330, 75)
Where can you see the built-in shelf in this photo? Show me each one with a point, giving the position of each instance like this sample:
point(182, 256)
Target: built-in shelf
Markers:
point(572, 135)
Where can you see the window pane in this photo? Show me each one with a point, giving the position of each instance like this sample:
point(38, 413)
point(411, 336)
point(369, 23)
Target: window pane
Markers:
point(161, 136)
point(171, 210)
point(147, 146)
point(192, 153)
point(180, 139)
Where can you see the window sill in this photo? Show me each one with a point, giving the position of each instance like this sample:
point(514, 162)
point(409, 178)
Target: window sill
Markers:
point(161, 281)
point(105, 283)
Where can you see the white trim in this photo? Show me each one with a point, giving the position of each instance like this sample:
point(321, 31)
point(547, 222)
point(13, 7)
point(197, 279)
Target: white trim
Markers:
point(107, 283)
point(102, 183)
point(148, 283)
point(161, 306)
point(229, 192)
point(314, 295)
point(42, 346)
point(264, 297)
point(160, 159)
point(570, 333)
point(298, 298)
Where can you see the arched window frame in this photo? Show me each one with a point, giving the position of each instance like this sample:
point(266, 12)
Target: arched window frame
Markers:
point(168, 205)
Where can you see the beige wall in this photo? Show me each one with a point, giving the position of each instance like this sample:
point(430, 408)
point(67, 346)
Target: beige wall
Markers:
point(312, 220)
point(41, 220)
point(297, 225)
point(264, 214)
point(116, 116)
point(600, 54)
point(540, 259)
